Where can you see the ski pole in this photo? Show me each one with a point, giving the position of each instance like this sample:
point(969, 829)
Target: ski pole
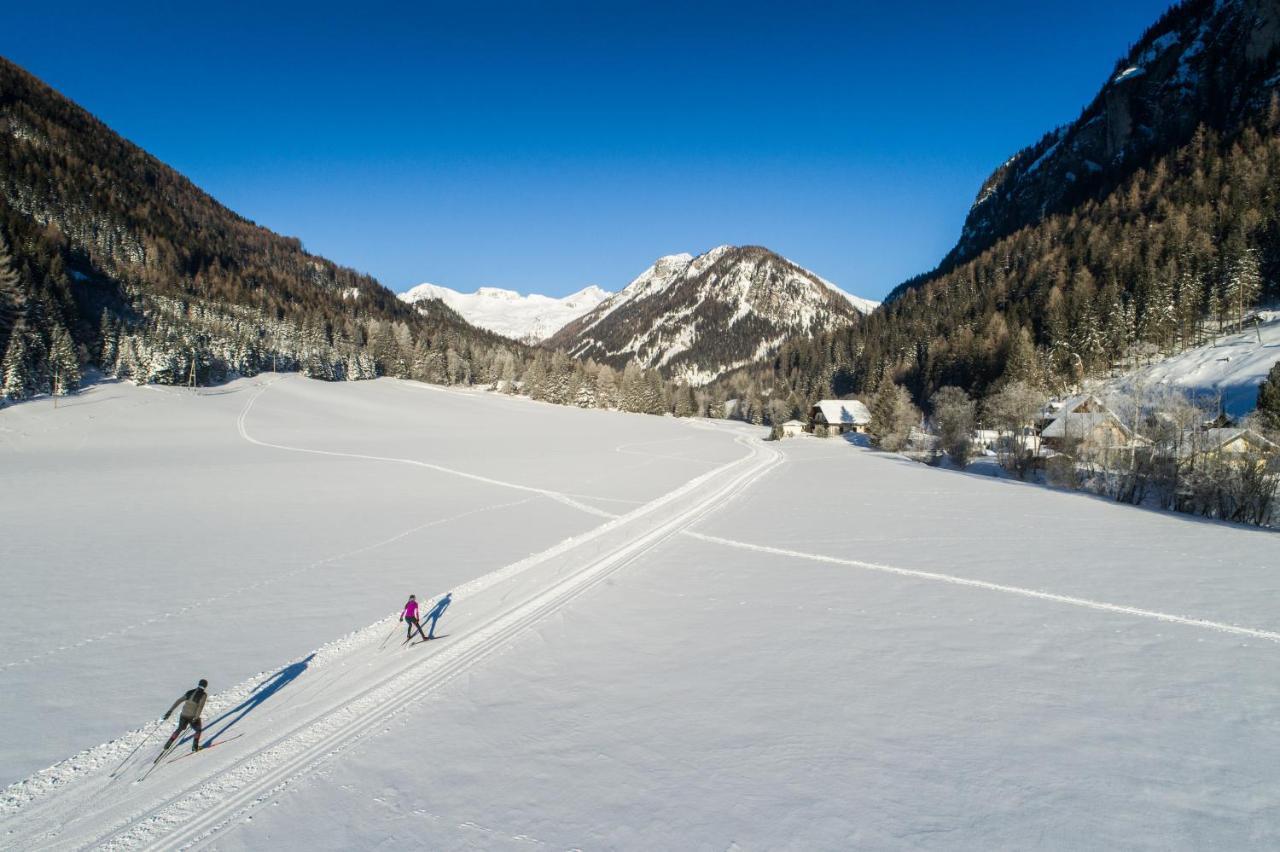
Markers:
point(389, 635)
point(140, 744)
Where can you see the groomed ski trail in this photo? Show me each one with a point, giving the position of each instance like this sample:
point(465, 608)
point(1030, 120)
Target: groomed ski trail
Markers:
point(558, 496)
point(233, 783)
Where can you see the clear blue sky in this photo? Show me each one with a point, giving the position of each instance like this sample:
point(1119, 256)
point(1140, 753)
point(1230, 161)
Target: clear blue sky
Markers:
point(543, 146)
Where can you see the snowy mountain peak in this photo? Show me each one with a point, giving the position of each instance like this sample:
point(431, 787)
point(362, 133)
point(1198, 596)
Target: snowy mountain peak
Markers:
point(591, 293)
point(526, 318)
point(499, 293)
point(699, 317)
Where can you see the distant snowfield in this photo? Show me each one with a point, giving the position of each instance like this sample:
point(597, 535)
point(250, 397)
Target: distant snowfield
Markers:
point(794, 645)
point(1233, 367)
point(528, 318)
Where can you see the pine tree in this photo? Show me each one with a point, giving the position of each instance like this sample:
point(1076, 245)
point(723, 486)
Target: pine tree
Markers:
point(1269, 398)
point(109, 342)
point(12, 295)
point(64, 365)
point(606, 387)
point(507, 372)
point(1244, 282)
point(16, 367)
point(632, 394)
point(535, 377)
point(684, 405)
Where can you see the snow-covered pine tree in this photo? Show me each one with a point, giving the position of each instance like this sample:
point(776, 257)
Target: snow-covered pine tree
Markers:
point(892, 416)
point(606, 387)
point(654, 402)
point(16, 366)
point(108, 341)
point(1244, 282)
point(535, 377)
point(684, 404)
point(64, 365)
point(507, 372)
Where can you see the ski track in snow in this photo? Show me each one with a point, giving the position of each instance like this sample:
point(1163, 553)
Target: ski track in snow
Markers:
point(475, 477)
point(241, 427)
point(190, 815)
point(1103, 606)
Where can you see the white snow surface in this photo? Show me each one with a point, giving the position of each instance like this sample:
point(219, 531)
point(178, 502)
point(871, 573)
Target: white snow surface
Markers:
point(921, 659)
point(1232, 367)
point(528, 318)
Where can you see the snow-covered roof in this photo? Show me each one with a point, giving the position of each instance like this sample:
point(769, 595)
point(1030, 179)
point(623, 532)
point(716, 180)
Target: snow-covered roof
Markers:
point(849, 411)
point(1220, 437)
point(1058, 407)
point(1080, 425)
point(793, 422)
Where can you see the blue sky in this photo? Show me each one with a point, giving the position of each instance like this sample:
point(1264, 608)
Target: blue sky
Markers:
point(547, 146)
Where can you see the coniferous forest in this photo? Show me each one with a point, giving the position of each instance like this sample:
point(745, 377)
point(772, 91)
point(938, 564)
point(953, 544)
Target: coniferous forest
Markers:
point(1171, 257)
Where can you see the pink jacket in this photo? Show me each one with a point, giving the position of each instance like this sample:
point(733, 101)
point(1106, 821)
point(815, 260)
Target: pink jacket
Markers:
point(410, 610)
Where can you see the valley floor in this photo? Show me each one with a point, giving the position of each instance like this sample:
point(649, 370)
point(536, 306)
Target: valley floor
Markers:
point(665, 634)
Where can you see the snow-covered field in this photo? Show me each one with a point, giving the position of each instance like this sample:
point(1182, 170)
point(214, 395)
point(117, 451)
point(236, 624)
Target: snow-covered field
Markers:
point(665, 634)
point(1230, 368)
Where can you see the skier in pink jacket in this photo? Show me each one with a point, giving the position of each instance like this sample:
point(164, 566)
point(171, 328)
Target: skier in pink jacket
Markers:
point(410, 616)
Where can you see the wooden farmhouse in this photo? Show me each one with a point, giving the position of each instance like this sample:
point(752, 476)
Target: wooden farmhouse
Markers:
point(1086, 433)
point(830, 417)
point(1082, 404)
point(1231, 444)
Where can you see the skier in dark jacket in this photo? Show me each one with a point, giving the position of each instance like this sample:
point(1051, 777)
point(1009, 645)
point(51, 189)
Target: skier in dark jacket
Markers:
point(192, 702)
point(410, 616)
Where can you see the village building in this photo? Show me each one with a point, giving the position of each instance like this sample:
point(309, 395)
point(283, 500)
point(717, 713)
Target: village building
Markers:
point(1087, 433)
point(831, 417)
point(1054, 409)
point(793, 428)
point(1229, 444)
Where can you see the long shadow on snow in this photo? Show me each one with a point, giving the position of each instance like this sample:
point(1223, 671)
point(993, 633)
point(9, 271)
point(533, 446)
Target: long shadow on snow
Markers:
point(257, 697)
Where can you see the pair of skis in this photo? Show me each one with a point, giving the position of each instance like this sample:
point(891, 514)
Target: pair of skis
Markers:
point(168, 749)
point(428, 639)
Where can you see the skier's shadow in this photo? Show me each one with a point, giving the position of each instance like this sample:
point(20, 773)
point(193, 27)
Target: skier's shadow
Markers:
point(260, 694)
point(434, 615)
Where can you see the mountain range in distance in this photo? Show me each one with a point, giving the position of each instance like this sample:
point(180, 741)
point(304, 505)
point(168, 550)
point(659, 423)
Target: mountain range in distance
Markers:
point(694, 318)
point(528, 319)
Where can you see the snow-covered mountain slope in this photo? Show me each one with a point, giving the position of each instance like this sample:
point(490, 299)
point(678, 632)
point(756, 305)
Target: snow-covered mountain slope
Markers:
point(1232, 368)
point(528, 319)
point(696, 318)
point(855, 683)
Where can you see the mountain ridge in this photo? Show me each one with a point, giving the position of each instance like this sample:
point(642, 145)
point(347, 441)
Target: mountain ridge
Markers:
point(696, 318)
point(110, 256)
point(1207, 62)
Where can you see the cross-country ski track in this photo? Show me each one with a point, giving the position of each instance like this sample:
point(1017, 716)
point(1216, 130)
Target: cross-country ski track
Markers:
point(94, 813)
point(1015, 626)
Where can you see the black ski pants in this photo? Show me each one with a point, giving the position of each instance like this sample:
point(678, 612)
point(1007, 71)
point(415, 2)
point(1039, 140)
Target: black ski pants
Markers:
point(412, 622)
point(183, 722)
